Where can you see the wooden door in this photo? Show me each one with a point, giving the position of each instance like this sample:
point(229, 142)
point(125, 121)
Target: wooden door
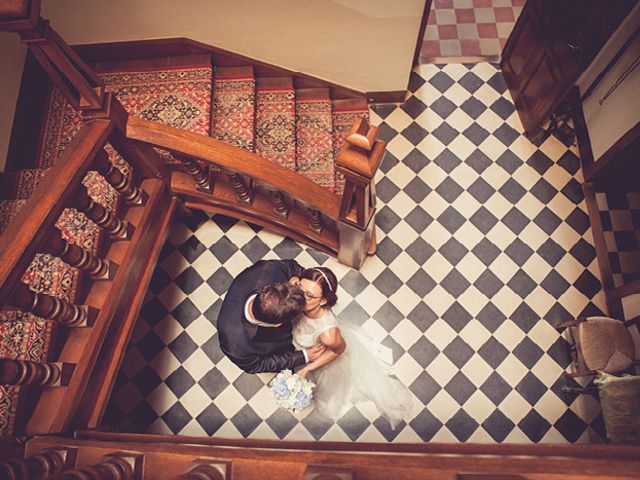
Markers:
point(552, 43)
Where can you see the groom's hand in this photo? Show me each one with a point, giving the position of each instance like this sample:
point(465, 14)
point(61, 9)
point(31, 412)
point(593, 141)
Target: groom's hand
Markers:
point(315, 351)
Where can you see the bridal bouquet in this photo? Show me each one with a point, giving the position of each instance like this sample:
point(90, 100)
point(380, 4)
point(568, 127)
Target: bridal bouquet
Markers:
point(291, 392)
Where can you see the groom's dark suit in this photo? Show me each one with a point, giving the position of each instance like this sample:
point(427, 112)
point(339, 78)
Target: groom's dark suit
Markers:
point(257, 349)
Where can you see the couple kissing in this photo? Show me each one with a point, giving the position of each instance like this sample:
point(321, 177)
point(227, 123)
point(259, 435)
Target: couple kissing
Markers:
point(277, 316)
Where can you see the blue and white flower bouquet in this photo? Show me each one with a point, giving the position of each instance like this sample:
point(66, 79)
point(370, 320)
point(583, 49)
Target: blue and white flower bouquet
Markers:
point(291, 391)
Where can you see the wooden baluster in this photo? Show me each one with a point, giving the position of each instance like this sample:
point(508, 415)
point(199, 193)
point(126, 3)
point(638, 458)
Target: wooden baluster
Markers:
point(116, 228)
point(118, 180)
point(78, 257)
point(315, 223)
point(199, 171)
point(323, 472)
point(24, 372)
point(244, 192)
point(202, 472)
point(281, 207)
point(119, 466)
point(45, 464)
point(56, 309)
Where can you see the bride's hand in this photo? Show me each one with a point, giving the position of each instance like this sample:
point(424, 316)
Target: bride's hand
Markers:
point(303, 372)
point(315, 351)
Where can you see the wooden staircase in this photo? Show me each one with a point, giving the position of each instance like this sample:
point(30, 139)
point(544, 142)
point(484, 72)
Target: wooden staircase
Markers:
point(152, 171)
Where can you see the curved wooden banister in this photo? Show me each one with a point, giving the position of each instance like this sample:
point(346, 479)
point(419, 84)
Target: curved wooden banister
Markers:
point(20, 241)
point(235, 159)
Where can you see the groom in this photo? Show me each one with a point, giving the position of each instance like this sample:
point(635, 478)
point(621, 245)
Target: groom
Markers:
point(254, 324)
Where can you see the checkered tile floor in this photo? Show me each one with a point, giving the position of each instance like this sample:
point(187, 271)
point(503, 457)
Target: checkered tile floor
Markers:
point(484, 246)
point(620, 216)
point(463, 28)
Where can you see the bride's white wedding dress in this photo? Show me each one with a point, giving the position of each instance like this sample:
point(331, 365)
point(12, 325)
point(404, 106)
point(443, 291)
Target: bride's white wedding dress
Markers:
point(356, 375)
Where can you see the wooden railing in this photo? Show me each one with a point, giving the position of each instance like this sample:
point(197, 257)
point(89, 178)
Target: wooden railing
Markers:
point(72, 389)
point(78, 382)
point(175, 457)
point(219, 177)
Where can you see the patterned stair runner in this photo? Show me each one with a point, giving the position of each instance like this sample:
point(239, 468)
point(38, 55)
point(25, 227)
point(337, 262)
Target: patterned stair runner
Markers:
point(345, 112)
point(314, 152)
point(20, 183)
point(178, 96)
point(8, 210)
point(276, 120)
point(234, 90)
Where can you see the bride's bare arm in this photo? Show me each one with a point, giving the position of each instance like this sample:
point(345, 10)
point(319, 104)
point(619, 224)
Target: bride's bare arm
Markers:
point(335, 344)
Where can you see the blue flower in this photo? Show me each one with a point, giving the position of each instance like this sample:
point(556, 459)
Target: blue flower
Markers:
point(280, 389)
point(301, 401)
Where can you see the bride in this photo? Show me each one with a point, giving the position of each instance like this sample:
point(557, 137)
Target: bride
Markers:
point(348, 371)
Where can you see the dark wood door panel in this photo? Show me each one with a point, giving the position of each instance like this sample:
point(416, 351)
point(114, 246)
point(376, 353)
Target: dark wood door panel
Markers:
point(552, 43)
point(526, 55)
point(539, 94)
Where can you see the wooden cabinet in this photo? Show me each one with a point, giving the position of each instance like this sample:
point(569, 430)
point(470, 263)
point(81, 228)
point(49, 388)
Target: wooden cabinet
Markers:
point(552, 43)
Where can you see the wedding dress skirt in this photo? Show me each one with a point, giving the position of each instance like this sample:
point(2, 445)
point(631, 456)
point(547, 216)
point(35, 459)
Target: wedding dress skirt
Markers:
point(355, 376)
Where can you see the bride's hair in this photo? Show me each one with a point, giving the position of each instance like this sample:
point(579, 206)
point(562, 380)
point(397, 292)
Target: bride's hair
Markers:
point(327, 281)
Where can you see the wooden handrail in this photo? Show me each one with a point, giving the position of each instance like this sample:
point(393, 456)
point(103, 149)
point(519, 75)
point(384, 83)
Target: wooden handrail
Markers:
point(115, 299)
point(235, 159)
point(20, 241)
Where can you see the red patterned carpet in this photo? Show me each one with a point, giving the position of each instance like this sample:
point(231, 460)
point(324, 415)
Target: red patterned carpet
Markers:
point(179, 97)
point(276, 120)
point(314, 152)
point(234, 106)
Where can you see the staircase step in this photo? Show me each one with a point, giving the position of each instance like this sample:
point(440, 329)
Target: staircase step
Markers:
point(234, 90)
point(345, 112)
point(314, 152)
point(176, 93)
point(19, 184)
point(61, 126)
point(178, 96)
point(24, 337)
point(8, 210)
point(276, 120)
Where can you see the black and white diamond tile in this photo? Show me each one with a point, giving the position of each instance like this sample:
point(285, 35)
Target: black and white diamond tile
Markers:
point(620, 216)
point(484, 246)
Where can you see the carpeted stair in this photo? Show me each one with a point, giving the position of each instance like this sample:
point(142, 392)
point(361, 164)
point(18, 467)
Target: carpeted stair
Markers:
point(24, 336)
point(276, 120)
point(233, 106)
point(314, 143)
point(301, 129)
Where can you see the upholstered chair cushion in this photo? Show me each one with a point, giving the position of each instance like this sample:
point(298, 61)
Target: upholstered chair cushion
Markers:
point(620, 401)
point(605, 344)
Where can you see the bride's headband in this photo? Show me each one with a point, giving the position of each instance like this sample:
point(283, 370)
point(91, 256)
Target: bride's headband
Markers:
point(324, 275)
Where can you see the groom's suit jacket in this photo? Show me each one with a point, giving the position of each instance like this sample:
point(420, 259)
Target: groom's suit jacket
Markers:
point(257, 349)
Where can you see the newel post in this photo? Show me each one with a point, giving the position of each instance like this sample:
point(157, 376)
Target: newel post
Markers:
point(358, 161)
point(71, 75)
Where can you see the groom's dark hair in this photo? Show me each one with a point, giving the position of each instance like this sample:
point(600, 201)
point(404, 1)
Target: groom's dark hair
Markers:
point(278, 303)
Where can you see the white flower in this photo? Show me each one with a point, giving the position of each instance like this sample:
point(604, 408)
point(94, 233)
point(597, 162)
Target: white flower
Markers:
point(291, 391)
